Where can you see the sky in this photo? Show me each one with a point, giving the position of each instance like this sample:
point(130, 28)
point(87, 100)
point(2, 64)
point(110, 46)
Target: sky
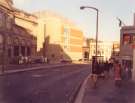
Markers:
point(109, 10)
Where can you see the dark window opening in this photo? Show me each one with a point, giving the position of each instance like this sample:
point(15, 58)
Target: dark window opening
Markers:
point(86, 55)
point(28, 51)
point(16, 50)
point(9, 53)
point(23, 50)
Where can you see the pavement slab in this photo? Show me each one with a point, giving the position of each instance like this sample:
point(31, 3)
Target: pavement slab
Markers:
point(107, 92)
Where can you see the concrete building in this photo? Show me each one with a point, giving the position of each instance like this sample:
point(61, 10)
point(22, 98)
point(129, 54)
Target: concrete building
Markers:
point(103, 49)
point(115, 50)
point(14, 39)
point(62, 39)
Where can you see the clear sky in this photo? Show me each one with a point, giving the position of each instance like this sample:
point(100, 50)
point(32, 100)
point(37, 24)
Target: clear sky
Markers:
point(86, 19)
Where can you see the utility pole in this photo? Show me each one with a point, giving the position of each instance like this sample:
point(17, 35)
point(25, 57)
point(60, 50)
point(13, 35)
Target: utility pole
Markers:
point(44, 40)
point(97, 11)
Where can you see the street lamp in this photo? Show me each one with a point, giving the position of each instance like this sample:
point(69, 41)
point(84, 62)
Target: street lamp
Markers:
point(83, 7)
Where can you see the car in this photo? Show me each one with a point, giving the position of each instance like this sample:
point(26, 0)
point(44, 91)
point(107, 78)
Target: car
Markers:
point(37, 59)
point(66, 61)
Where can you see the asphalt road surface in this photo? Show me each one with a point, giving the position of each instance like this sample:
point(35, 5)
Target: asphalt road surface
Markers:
point(52, 85)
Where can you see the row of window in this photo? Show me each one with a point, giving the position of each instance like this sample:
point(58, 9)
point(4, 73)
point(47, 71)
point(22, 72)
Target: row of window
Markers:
point(66, 37)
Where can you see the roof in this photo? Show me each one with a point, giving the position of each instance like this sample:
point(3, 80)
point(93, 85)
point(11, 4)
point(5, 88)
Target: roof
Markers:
point(23, 31)
point(22, 11)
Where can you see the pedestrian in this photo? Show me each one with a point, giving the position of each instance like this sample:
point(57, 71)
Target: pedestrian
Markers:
point(106, 69)
point(95, 72)
point(117, 73)
point(101, 69)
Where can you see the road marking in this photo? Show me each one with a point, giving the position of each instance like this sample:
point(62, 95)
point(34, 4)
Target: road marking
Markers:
point(37, 75)
point(40, 75)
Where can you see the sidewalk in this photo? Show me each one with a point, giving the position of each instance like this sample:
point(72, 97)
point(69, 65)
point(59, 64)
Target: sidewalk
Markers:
point(21, 68)
point(106, 92)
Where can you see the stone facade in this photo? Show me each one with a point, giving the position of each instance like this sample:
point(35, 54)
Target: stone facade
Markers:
point(63, 39)
point(115, 50)
point(14, 39)
point(26, 20)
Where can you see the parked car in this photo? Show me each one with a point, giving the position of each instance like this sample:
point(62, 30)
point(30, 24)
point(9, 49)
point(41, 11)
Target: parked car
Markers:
point(37, 59)
point(66, 61)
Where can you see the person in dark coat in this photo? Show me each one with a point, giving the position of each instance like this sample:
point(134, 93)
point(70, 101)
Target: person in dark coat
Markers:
point(106, 69)
point(95, 72)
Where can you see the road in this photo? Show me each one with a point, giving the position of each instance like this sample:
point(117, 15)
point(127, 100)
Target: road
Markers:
point(52, 85)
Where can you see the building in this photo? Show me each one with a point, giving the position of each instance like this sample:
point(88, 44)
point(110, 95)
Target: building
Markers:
point(127, 47)
point(127, 44)
point(26, 20)
point(103, 49)
point(14, 39)
point(62, 39)
point(86, 50)
point(115, 50)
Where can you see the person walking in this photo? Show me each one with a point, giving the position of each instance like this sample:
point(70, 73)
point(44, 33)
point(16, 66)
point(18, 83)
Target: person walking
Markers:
point(106, 69)
point(95, 72)
point(117, 73)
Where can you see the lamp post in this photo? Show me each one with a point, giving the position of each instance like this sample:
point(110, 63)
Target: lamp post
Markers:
point(83, 7)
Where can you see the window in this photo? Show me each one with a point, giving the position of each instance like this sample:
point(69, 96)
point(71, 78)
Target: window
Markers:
point(28, 51)
point(133, 39)
point(16, 50)
point(9, 52)
point(126, 39)
point(23, 50)
point(66, 38)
